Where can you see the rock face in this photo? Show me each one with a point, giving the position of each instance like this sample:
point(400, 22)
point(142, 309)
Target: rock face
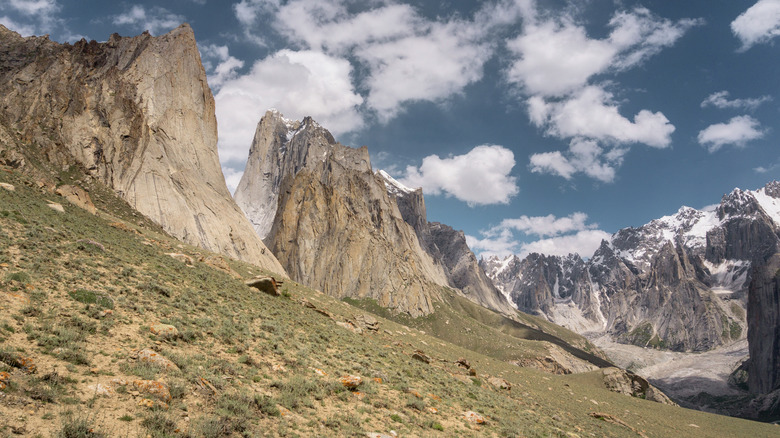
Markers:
point(334, 227)
point(682, 282)
point(447, 247)
point(138, 115)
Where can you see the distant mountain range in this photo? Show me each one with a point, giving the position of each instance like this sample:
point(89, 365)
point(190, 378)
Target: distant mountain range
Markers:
point(691, 281)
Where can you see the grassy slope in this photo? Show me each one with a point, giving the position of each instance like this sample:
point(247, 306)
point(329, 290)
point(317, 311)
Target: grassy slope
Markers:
point(258, 352)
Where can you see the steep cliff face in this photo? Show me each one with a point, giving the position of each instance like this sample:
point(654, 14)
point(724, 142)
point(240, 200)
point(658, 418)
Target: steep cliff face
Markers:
point(447, 247)
point(334, 226)
point(680, 282)
point(138, 115)
point(764, 328)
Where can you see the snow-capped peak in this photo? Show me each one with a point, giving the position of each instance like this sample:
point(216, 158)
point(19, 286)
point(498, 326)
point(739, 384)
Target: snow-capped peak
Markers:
point(393, 186)
point(769, 200)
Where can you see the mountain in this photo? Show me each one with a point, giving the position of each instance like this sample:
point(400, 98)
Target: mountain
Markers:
point(135, 114)
point(334, 226)
point(691, 281)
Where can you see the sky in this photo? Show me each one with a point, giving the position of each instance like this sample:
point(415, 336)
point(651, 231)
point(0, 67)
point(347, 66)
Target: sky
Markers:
point(534, 126)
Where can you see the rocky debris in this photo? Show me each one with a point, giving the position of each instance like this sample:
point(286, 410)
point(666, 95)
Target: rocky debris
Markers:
point(421, 356)
point(308, 304)
point(308, 195)
point(152, 404)
point(265, 284)
point(500, 383)
point(56, 207)
point(367, 322)
point(154, 358)
point(218, 262)
point(123, 227)
point(77, 196)
point(378, 435)
point(205, 385)
point(351, 382)
point(92, 243)
point(24, 363)
point(154, 388)
point(103, 390)
point(164, 331)
point(473, 417)
point(319, 372)
point(349, 326)
point(5, 379)
point(184, 258)
point(463, 363)
point(615, 420)
point(628, 383)
point(137, 114)
point(7, 186)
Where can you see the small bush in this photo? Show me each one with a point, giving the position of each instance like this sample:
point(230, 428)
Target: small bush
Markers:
point(91, 297)
point(77, 427)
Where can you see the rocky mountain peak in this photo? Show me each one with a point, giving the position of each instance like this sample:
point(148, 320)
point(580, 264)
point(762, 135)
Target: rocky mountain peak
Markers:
point(137, 114)
point(772, 189)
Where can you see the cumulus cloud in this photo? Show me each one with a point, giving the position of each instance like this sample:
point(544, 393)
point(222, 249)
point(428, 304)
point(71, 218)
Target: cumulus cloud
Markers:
point(479, 177)
point(592, 113)
point(219, 65)
point(556, 57)
point(559, 236)
point(758, 24)
point(157, 19)
point(298, 84)
point(34, 7)
point(584, 156)
point(22, 29)
point(403, 56)
point(721, 100)
point(737, 131)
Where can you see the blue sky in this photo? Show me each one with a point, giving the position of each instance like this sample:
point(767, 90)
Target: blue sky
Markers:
point(531, 125)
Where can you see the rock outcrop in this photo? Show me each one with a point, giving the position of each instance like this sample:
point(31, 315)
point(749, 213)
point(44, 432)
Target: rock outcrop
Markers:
point(137, 114)
point(329, 219)
point(681, 282)
point(447, 247)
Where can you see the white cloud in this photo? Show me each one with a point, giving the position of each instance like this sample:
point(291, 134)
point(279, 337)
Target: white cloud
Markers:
point(592, 113)
point(584, 243)
point(721, 100)
point(298, 84)
point(156, 20)
point(556, 57)
point(479, 177)
point(562, 236)
point(584, 156)
point(403, 56)
point(24, 30)
point(737, 131)
point(548, 225)
point(432, 66)
point(232, 178)
point(34, 7)
point(220, 66)
point(759, 24)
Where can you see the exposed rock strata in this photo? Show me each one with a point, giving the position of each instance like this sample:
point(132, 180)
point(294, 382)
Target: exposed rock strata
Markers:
point(680, 282)
point(138, 115)
point(334, 227)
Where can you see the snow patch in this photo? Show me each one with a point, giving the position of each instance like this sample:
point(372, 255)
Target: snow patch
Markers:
point(769, 204)
point(394, 187)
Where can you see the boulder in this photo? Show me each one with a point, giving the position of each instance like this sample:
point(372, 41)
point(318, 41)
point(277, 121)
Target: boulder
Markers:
point(154, 358)
point(500, 383)
point(164, 331)
point(78, 197)
point(268, 285)
point(351, 382)
point(473, 417)
point(7, 186)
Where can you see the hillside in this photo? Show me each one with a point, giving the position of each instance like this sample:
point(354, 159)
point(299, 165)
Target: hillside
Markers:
point(81, 294)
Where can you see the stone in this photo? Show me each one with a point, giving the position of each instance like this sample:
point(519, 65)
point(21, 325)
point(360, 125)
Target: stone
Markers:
point(351, 382)
point(154, 388)
point(138, 115)
point(628, 383)
point(164, 331)
point(463, 363)
point(473, 417)
point(6, 186)
point(154, 358)
point(349, 326)
point(367, 322)
point(268, 285)
point(500, 383)
point(421, 356)
point(184, 258)
point(5, 379)
point(56, 207)
point(103, 390)
point(77, 196)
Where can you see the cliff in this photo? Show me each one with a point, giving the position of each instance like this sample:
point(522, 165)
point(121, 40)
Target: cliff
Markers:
point(137, 114)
